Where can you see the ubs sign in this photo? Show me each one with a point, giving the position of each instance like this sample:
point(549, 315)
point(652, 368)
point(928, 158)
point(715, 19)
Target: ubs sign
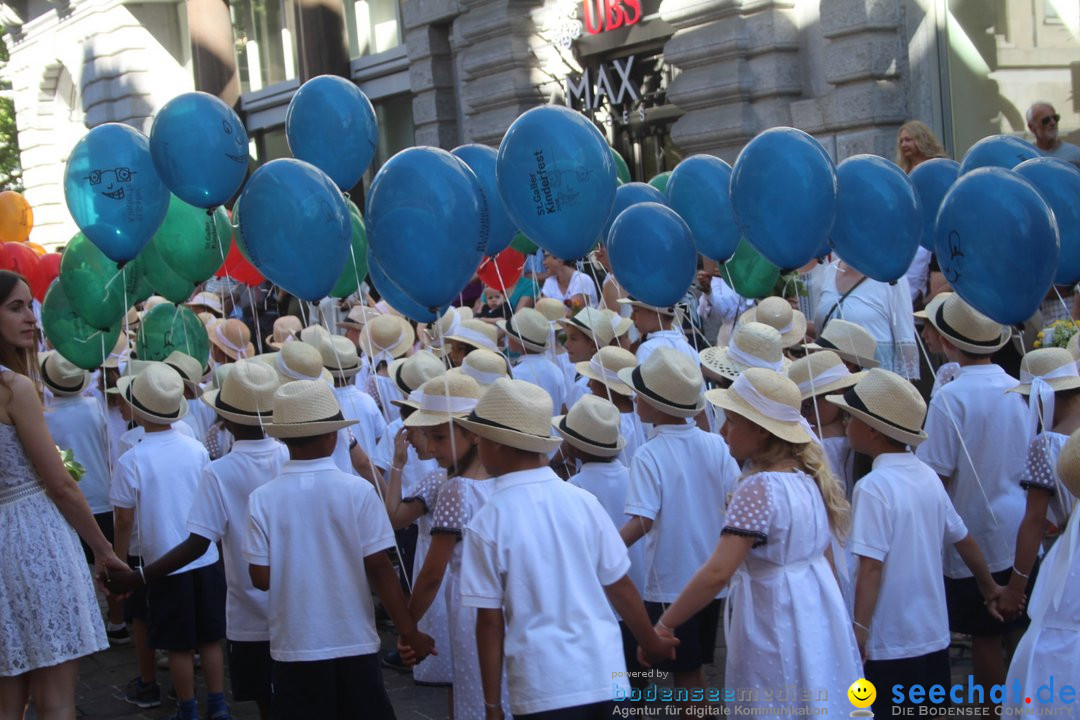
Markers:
point(603, 15)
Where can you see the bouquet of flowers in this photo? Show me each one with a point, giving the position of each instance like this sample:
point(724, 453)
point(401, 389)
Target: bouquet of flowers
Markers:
point(73, 466)
point(1057, 335)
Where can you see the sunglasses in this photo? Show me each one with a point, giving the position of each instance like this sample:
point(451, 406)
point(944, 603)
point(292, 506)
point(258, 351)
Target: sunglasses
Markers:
point(1046, 120)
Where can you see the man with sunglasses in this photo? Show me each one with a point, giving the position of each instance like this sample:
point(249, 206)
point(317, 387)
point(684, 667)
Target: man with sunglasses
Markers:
point(1042, 121)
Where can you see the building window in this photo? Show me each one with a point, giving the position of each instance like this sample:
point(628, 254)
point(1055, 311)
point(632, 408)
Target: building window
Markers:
point(374, 26)
point(265, 32)
point(396, 130)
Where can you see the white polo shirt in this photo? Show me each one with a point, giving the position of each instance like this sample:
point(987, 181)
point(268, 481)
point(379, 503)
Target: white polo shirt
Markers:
point(540, 371)
point(77, 423)
point(994, 426)
point(158, 478)
point(369, 428)
point(607, 482)
point(199, 418)
point(313, 525)
point(220, 514)
point(680, 479)
point(633, 432)
point(903, 517)
point(543, 551)
point(673, 338)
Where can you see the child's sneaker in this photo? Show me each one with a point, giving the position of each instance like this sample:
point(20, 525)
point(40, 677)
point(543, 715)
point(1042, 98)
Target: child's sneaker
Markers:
point(118, 635)
point(144, 695)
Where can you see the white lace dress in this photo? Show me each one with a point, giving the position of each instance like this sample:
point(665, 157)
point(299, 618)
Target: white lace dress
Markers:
point(48, 610)
point(434, 668)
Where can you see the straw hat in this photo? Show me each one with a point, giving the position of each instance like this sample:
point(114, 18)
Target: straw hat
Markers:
point(120, 353)
point(445, 325)
point(619, 325)
point(132, 319)
point(752, 344)
point(596, 324)
point(820, 373)
point(514, 413)
point(152, 302)
point(668, 381)
point(61, 376)
point(604, 367)
point(339, 356)
point(592, 425)
point(775, 388)
point(485, 366)
point(477, 334)
point(314, 334)
point(298, 361)
point(358, 317)
point(305, 408)
point(1054, 365)
point(933, 305)
point(387, 337)
point(529, 327)
point(888, 403)
point(412, 372)
point(448, 396)
point(210, 301)
point(967, 328)
point(634, 302)
point(777, 312)
point(188, 367)
point(552, 309)
point(850, 341)
point(207, 318)
point(156, 394)
point(246, 393)
point(465, 313)
point(232, 337)
point(285, 329)
point(1068, 464)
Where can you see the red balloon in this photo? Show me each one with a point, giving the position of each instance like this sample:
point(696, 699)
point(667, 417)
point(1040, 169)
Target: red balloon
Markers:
point(238, 268)
point(18, 258)
point(503, 271)
point(48, 269)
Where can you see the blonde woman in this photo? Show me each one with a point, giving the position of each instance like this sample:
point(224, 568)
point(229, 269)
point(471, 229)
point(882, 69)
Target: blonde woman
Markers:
point(916, 143)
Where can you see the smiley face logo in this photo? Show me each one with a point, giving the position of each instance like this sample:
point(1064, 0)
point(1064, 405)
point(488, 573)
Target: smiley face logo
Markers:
point(862, 693)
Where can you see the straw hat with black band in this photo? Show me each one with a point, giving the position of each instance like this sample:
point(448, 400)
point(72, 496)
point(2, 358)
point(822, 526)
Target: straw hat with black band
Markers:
point(451, 395)
point(966, 328)
point(769, 400)
point(339, 356)
point(516, 414)
point(188, 367)
point(850, 341)
point(668, 381)
point(604, 367)
point(777, 312)
point(476, 334)
point(529, 327)
point(634, 302)
point(246, 395)
point(485, 366)
point(61, 376)
point(592, 426)
point(595, 324)
point(888, 403)
point(820, 373)
point(305, 408)
point(411, 372)
point(155, 395)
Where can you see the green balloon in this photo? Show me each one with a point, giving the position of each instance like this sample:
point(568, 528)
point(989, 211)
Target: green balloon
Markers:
point(356, 267)
point(143, 289)
point(192, 241)
point(660, 181)
point(167, 328)
point(72, 336)
point(166, 281)
point(622, 170)
point(523, 245)
point(95, 286)
point(749, 273)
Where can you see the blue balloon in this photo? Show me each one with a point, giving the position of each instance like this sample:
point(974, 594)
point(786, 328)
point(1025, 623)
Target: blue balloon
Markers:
point(652, 253)
point(296, 227)
point(481, 159)
point(427, 224)
point(556, 177)
point(200, 149)
point(331, 124)
point(1059, 184)
point(628, 194)
point(878, 220)
point(395, 297)
point(783, 195)
point(997, 243)
point(113, 192)
point(1004, 151)
point(932, 179)
point(698, 191)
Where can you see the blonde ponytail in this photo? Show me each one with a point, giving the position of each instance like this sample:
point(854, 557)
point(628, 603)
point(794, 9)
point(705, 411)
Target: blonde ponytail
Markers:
point(810, 458)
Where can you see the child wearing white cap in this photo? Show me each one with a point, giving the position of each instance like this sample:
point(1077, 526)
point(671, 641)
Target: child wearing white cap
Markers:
point(679, 483)
point(902, 520)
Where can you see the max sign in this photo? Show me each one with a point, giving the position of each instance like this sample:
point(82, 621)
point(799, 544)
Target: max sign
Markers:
point(588, 89)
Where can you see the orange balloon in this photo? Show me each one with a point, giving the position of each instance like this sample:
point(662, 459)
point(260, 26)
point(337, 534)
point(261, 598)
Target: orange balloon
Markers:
point(16, 217)
point(36, 248)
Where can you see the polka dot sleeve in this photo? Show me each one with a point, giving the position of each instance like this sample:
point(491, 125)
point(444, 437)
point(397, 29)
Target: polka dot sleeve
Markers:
point(750, 511)
point(449, 513)
point(427, 490)
point(1039, 469)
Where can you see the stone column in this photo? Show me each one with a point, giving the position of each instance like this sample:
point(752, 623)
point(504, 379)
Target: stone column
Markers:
point(212, 52)
point(431, 71)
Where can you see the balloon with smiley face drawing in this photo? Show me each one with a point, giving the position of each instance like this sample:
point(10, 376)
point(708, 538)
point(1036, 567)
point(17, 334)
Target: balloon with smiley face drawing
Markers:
point(200, 149)
point(113, 191)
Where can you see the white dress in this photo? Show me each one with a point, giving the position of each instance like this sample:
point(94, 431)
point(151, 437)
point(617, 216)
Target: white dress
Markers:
point(433, 668)
point(459, 501)
point(842, 462)
point(787, 624)
point(48, 610)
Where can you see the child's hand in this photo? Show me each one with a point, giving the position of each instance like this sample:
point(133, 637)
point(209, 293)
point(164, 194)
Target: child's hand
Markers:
point(417, 645)
point(401, 448)
point(104, 566)
point(122, 582)
point(659, 648)
point(1005, 603)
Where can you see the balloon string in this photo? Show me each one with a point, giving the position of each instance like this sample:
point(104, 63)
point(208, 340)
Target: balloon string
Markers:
point(255, 317)
point(596, 342)
point(1064, 306)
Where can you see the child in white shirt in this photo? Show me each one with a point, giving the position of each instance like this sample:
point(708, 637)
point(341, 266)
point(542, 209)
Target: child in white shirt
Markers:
point(527, 334)
point(602, 373)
